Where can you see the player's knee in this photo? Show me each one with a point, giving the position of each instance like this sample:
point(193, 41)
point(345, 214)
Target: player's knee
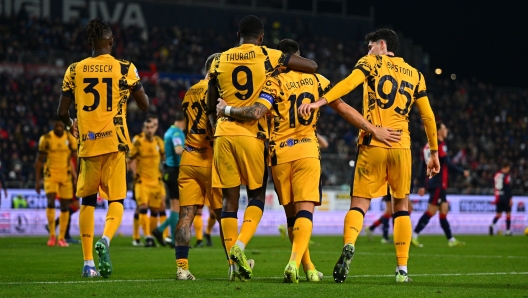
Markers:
point(304, 214)
point(257, 203)
point(90, 200)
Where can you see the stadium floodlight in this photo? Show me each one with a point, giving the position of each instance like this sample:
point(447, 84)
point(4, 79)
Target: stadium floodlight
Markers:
point(438, 71)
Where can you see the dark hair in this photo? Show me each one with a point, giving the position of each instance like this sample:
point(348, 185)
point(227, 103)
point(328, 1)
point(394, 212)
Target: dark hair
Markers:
point(178, 116)
point(505, 164)
point(288, 46)
point(147, 121)
point(439, 124)
point(390, 37)
point(209, 61)
point(250, 26)
point(152, 116)
point(96, 29)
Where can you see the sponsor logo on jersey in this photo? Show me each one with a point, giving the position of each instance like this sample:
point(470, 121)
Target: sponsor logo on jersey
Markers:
point(293, 142)
point(92, 136)
point(198, 150)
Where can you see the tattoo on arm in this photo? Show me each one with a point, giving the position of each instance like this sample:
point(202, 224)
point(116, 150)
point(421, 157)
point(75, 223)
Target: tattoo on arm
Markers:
point(250, 113)
point(183, 229)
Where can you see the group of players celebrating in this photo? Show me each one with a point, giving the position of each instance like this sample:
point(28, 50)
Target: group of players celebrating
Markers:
point(256, 107)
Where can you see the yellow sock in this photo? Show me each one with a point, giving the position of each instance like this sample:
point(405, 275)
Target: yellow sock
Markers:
point(353, 226)
point(135, 229)
point(86, 229)
point(63, 223)
point(306, 260)
point(113, 219)
point(153, 221)
point(145, 224)
point(50, 214)
point(402, 238)
point(302, 231)
point(210, 224)
point(230, 230)
point(252, 218)
point(198, 227)
point(183, 264)
point(162, 219)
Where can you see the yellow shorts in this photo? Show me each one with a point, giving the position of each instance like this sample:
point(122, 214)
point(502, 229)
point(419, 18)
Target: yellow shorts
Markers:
point(105, 174)
point(63, 188)
point(298, 181)
point(238, 160)
point(194, 185)
point(375, 166)
point(151, 193)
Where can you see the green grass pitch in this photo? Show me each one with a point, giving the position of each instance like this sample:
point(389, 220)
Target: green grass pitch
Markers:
point(486, 267)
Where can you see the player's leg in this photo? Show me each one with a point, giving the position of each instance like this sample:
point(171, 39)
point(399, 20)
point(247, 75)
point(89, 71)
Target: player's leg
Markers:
point(74, 207)
point(369, 181)
point(499, 209)
point(385, 218)
point(444, 209)
point(142, 192)
point(400, 180)
point(136, 241)
point(87, 188)
point(113, 188)
point(51, 188)
point(65, 194)
point(153, 223)
point(171, 181)
point(507, 207)
point(183, 238)
point(432, 208)
point(211, 221)
point(198, 228)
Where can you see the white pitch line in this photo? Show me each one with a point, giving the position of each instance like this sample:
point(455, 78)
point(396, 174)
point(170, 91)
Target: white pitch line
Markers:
point(257, 278)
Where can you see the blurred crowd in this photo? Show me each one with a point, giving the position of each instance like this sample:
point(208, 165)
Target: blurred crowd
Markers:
point(487, 124)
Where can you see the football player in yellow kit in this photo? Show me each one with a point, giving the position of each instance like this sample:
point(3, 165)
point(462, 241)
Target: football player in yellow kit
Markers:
point(391, 87)
point(101, 86)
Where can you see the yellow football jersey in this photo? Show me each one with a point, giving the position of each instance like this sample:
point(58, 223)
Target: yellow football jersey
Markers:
point(101, 87)
point(292, 136)
point(390, 88)
point(148, 155)
point(198, 150)
point(241, 73)
point(59, 150)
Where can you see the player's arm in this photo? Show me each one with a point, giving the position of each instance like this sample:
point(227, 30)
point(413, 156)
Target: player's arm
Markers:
point(507, 189)
point(72, 166)
point(39, 162)
point(341, 89)
point(3, 183)
point(212, 96)
point(141, 98)
point(300, 64)
point(428, 119)
point(177, 143)
point(323, 142)
point(63, 113)
point(454, 167)
point(253, 112)
point(352, 116)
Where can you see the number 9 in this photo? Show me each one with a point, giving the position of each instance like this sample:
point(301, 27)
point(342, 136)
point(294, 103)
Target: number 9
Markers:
point(248, 86)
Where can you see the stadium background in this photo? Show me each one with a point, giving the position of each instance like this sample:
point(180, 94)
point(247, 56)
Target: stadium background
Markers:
point(169, 40)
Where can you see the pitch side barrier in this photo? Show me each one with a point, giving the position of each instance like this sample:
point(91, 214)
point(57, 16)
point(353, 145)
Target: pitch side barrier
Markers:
point(23, 213)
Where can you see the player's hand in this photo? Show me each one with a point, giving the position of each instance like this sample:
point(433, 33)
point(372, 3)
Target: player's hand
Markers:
point(433, 166)
point(421, 191)
point(74, 129)
point(386, 135)
point(220, 108)
point(37, 187)
point(511, 202)
point(306, 108)
point(466, 173)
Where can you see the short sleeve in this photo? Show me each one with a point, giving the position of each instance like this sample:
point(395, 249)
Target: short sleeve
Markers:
point(177, 139)
point(324, 84)
point(73, 142)
point(420, 90)
point(278, 58)
point(136, 143)
point(67, 82)
point(269, 93)
point(213, 70)
point(43, 144)
point(366, 64)
point(132, 78)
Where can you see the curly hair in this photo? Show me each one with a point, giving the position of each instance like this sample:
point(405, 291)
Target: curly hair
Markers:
point(388, 35)
point(96, 29)
point(288, 46)
point(250, 26)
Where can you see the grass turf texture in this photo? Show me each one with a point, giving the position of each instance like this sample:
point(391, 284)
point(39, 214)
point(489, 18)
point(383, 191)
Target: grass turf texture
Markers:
point(485, 267)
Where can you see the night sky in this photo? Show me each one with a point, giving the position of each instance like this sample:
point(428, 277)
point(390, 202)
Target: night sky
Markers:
point(483, 39)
